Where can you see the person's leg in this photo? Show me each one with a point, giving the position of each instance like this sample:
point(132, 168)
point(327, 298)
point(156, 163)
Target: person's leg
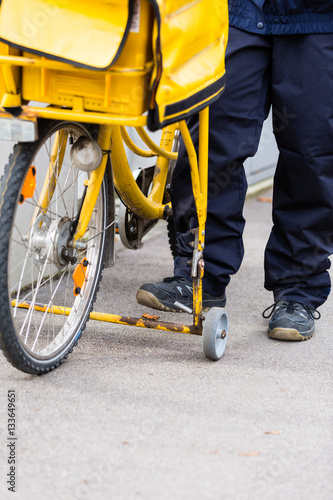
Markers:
point(296, 257)
point(301, 241)
point(236, 121)
point(235, 125)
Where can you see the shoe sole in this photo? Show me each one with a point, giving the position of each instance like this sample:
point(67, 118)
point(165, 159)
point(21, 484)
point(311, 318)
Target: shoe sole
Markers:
point(149, 300)
point(287, 334)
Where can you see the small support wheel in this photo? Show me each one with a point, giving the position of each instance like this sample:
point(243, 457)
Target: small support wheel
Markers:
point(215, 333)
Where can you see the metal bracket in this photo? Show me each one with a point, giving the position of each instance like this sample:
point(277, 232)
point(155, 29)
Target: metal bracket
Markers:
point(197, 254)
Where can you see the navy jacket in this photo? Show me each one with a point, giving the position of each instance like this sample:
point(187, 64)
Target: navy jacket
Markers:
point(282, 17)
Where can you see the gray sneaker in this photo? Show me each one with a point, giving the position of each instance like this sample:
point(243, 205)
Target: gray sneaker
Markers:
point(290, 320)
point(163, 295)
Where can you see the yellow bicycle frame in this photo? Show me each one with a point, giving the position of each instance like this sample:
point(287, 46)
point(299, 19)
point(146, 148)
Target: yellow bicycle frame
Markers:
point(145, 207)
point(111, 138)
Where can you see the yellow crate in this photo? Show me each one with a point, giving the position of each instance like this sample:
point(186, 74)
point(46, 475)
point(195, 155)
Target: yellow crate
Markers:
point(123, 89)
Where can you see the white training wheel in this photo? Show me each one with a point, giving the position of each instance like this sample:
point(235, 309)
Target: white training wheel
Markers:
point(215, 333)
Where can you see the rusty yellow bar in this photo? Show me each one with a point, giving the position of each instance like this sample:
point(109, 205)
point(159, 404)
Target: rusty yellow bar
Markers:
point(202, 211)
point(144, 323)
point(199, 176)
point(114, 318)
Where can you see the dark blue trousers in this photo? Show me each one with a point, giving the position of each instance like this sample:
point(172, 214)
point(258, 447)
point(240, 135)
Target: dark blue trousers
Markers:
point(294, 75)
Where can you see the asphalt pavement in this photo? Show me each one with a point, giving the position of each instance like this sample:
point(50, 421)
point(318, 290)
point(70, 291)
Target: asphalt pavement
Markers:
point(136, 414)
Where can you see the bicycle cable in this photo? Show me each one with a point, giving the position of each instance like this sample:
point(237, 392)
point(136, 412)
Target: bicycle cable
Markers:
point(103, 230)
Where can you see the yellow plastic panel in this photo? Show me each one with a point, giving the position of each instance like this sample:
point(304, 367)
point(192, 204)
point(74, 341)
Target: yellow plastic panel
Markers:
point(86, 32)
point(193, 38)
point(117, 93)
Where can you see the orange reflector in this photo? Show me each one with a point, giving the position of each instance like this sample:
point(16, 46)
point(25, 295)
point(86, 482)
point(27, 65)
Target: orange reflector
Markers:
point(29, 185)
point(79, 276)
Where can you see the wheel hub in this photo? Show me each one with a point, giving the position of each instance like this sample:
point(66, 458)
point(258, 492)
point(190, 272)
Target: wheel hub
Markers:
point(50, 240)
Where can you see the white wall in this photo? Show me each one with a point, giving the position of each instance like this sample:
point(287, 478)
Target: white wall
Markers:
point(262, 165)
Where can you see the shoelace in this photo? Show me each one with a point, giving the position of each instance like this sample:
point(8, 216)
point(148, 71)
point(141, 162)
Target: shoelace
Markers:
point(292, 307)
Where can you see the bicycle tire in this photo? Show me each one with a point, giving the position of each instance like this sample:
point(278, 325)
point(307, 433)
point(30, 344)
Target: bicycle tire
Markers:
point(25, 228)
point(172, 237)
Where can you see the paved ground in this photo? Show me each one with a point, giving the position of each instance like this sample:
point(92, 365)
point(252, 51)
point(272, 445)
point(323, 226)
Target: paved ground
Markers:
point(135, 414)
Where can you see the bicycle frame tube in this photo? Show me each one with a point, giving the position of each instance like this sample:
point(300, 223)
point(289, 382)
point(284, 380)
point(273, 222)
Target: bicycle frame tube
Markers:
point(125, 184)
point(133, 147)
point(199, 176)
point(163, 153)
point(151, 144)
point(94, 184)
point(55, 165)
point(148, 208)
point(203, 165)
point(162, 165)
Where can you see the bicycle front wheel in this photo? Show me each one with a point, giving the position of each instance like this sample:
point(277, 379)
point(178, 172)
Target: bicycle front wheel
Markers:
point(43, 311)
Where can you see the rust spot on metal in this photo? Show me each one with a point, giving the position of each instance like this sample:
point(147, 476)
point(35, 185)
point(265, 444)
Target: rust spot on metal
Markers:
point(149, 316)
point(157, 171)
point(160, 325)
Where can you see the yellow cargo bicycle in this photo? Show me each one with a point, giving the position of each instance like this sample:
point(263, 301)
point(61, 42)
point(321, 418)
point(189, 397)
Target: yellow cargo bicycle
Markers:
point(74, 77)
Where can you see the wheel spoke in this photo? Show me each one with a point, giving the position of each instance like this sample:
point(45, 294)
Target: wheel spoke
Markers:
point(31, 308)
point(50, 304)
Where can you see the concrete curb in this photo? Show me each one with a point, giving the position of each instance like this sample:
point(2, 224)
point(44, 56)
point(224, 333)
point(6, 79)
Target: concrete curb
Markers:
point(257, 188)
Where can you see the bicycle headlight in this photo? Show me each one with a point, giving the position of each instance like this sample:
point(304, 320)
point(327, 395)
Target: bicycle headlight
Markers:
point(86, 154)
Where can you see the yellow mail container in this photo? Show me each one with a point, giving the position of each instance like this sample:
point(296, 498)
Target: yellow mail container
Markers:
point(118, 53)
